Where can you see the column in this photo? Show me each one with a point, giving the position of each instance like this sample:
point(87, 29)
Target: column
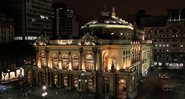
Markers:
point(81, 57)
point(95, 57)
point(100, 60)
point(46, 68)
point(37, 57)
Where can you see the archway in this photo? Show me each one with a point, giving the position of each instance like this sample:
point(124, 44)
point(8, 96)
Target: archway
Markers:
point(105, 85)
point(122, 89)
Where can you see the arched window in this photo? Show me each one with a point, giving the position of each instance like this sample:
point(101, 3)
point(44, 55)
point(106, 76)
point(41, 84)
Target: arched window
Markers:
point(90, 85)
point(89, 62)
point(76, 82)
point(65, 81)
point(65, 61)
point(122, 86)
point(43, 59)
point(75, 62)
point(55, 61)
point(105, 62)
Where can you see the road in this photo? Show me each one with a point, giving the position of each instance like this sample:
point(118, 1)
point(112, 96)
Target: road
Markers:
point(151, 86)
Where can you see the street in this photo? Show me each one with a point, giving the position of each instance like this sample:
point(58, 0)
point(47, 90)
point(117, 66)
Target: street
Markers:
point(154, 86)
point(158, 84)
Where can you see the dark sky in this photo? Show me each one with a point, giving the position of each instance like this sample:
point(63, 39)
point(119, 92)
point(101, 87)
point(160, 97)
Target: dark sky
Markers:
point(92, 8)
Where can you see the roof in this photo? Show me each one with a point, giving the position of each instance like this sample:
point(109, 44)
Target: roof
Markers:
point(106, 20)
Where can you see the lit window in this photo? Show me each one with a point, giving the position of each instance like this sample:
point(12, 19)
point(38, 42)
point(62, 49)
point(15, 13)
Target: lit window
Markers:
point(167, 45)
point(112, 33)
point(75, 61)
point(65, 61)
point(156, 45)
point(160, 45)
point(121, 33)
point(55, 61)
point(181, 45)
point(167, 50)
point(89, 64)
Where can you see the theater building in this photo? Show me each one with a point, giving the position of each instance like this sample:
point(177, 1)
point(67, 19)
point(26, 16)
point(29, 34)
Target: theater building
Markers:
point(108, 58)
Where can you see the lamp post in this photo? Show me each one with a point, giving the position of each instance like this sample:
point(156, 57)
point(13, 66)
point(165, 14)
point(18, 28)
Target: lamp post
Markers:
point(44, 94)
point(8, 75)
point(84, 81)
point(21, 78)
point(105, 79)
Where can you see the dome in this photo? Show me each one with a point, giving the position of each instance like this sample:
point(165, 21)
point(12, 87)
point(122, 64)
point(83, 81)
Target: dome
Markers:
point(108, 21)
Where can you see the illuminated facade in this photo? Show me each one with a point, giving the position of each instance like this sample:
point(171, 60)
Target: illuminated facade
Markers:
point(11, 75)
point(94, 63)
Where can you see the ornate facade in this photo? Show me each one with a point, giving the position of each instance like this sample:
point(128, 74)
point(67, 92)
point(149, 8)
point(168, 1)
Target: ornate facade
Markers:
point(93, 63)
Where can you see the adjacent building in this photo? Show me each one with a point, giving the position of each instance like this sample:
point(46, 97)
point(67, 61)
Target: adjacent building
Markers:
point(107, 59)
point(6, 28)
point(32, 18)
point(64, 21)
point(168, 35)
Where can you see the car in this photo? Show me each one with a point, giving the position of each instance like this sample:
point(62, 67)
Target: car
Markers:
point(166, 89)
point(164, 76)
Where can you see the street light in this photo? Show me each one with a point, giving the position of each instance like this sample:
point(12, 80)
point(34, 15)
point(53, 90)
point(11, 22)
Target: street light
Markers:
point(84, 81)
point(8, 75)
point(44, 94)
point(44, 87)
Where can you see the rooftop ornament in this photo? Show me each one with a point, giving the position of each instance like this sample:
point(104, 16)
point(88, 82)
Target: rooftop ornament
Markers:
point(88, 39)
point(41, 40)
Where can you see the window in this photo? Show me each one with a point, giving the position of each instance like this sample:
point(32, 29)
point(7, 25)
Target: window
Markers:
point(90, 85)
point(155, 31)
point(174, 30)
point(174, 45)
point(75, 62)
point(174, 40)
point(89, 62)
point(65, 81)
point(65, 61)
point(43, 59)
point(122, 85)
point(55, 61)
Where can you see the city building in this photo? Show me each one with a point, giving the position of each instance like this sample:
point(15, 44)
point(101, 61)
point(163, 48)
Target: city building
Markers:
point(64, 21)
point(168, 35)
point(32, 18)
point(108, 59)
point(6, 28)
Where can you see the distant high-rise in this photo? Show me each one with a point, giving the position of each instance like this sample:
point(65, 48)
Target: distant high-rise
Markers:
point(64, 20)
point(32, 18)
point(183, 13)
point(173, 13)
point(6, 28)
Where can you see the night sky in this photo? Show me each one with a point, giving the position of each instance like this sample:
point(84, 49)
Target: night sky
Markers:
point(91, 8)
